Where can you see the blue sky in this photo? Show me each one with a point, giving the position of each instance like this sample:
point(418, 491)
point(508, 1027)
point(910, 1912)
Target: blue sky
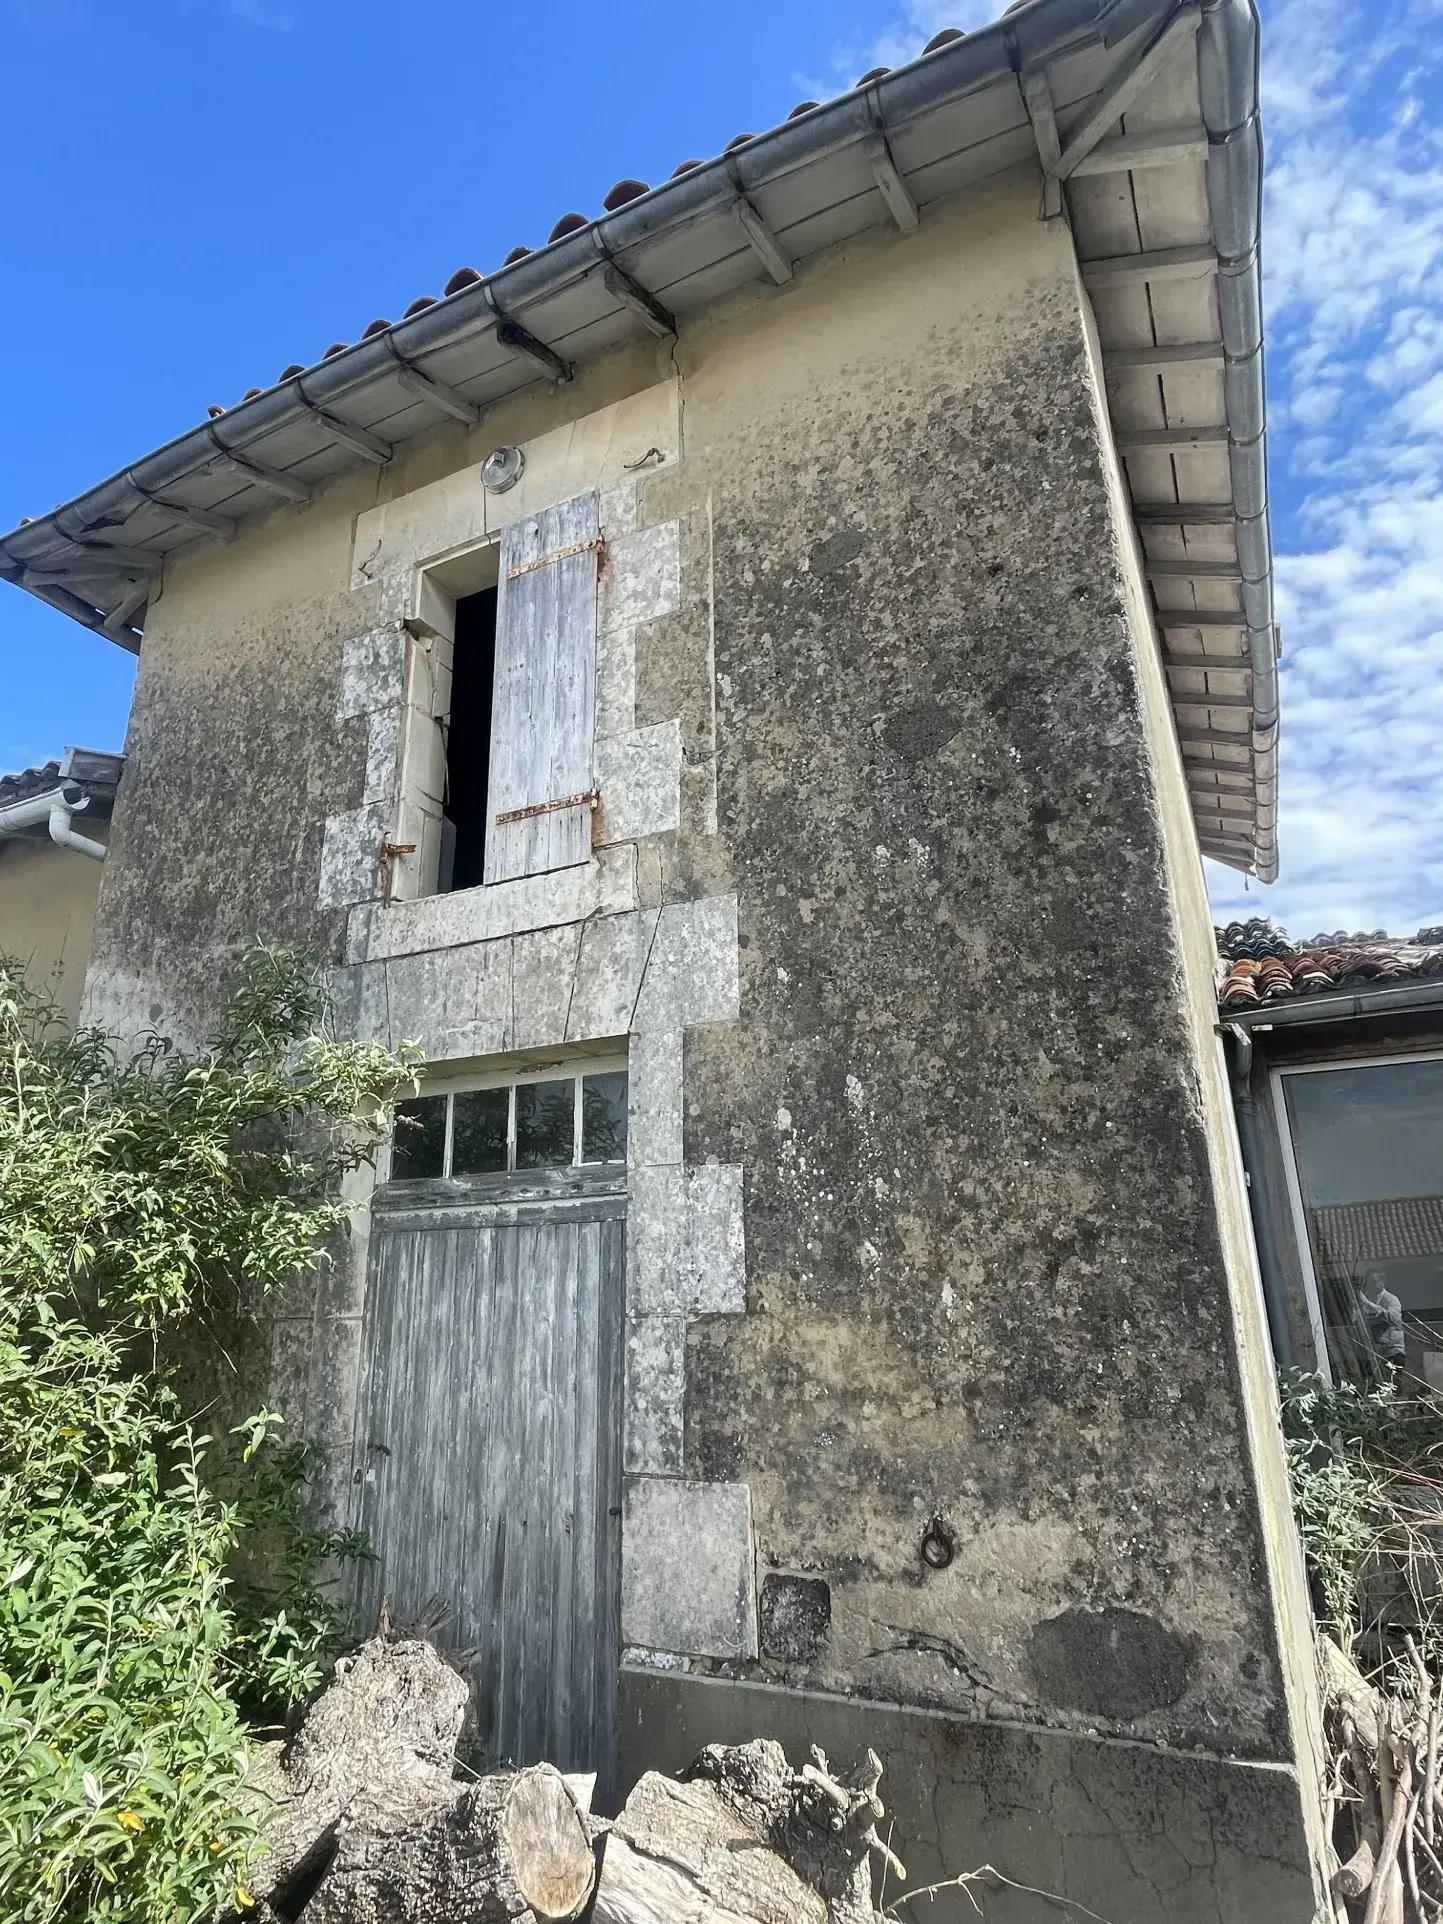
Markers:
point(202, 191)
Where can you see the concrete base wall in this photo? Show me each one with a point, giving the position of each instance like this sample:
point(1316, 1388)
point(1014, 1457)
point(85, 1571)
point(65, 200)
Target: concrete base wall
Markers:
point(1133, 1833)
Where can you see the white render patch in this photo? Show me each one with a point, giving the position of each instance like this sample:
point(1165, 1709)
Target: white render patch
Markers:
point(603, 450)
point(688, 1568)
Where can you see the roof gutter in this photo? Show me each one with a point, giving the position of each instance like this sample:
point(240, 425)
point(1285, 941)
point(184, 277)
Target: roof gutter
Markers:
point(1025, 37)
point(1035, 32)
point(55, 808)
point(1228, 80)
point(1336, 1008)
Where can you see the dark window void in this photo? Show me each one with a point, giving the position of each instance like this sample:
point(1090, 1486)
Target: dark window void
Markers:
point(420, 1142)
point(468, 743)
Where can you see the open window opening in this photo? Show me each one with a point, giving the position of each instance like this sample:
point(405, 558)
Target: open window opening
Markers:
point(468, 744)
point(499, 774)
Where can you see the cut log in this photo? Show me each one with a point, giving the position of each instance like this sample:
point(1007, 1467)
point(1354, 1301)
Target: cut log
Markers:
point(679, 1854)
point(369, 1824)
point(744, 1840)
point(507, 1848)
point(390, 1719)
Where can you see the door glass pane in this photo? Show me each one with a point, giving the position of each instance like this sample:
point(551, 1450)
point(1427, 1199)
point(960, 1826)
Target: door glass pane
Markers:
point(478, 1131)
point(419, 1145)
point(603, 1118)
point(1369, 1149)
point(545, 1124)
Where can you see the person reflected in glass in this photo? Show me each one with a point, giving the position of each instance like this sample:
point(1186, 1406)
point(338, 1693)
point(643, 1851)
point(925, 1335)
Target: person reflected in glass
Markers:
point(1383, 1316)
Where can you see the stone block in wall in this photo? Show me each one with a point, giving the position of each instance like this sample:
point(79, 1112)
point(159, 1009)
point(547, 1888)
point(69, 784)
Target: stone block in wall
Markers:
point(455, 1002)
point(351, 855)
point(693, 974)
point(615, 683)
point(602, 887)
point(686, 1244)
point(614, 953)
point(643, 576)
point(373, 671)
point(688, 1568)
point(383, 754)
point(543, 968)
point(335, 1375)
point(638, 776)
point(654, 1128)
point(655, 1389)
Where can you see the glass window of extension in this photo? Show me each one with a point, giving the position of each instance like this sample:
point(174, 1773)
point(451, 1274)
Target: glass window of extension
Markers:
point(1367, 1148)
point(551, 1121)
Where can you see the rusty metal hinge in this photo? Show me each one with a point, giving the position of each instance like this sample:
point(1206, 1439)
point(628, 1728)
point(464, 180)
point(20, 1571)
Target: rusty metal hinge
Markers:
point(587, 799)
point(387, 859)
point(596, 546)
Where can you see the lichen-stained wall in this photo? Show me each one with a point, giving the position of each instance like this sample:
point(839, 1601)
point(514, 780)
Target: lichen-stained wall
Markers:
point(924, 1246)
point(985, 1280)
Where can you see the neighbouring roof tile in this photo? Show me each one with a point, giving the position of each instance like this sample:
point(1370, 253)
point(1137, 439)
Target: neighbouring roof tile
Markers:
point(1259, 963)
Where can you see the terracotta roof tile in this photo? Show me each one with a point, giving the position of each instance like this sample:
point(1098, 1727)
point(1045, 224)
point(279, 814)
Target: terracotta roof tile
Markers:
point(1393, 1230)
point(29, 781)
point(618, 196)
point(1260, 964)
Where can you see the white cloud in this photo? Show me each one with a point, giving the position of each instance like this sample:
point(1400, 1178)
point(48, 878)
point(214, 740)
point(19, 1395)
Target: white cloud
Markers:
point(1353, 247)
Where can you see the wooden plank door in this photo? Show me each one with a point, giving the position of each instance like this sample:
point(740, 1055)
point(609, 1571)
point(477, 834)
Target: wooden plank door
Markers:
point(488, 1455)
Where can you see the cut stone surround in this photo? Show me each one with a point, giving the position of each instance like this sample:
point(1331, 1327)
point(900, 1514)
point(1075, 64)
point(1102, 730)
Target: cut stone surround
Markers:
point(548, 961)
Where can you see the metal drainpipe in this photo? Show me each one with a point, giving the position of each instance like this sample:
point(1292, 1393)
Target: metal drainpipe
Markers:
point(55, 809)
point(1240, 1067)
point(62, 829)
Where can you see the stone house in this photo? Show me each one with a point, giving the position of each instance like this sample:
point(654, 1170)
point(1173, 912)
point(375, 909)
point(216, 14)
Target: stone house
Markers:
point(746, 686)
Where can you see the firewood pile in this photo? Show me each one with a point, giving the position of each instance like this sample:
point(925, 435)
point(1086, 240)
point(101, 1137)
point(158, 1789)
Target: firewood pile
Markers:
point(370, 1822)
point(1385, 1776)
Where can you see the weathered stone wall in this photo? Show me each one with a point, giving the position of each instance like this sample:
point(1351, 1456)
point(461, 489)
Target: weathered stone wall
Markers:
point(985, 1278)
point(929, 1248)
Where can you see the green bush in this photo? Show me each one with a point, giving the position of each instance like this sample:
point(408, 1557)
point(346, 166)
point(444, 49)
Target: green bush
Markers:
point(134, 1190)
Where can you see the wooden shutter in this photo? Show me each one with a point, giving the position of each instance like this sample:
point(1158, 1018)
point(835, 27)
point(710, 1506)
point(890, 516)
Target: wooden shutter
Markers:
point(544, 714)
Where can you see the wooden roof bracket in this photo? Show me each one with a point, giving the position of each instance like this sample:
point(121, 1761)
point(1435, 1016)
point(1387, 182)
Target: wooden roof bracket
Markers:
point(513, 335)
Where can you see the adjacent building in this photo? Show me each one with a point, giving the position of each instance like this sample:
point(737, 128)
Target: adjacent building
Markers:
point(54, 824)
point(746, 686)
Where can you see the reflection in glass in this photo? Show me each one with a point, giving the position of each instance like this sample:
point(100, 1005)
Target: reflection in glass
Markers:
point(478, 1131)
point(545, 1124)
point(419, 1146)
point(603, 1118)
point(1369, 1148)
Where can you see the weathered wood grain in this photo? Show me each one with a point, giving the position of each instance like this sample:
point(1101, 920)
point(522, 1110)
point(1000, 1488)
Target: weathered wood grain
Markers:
point(544, 709)
point(490, 1457)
